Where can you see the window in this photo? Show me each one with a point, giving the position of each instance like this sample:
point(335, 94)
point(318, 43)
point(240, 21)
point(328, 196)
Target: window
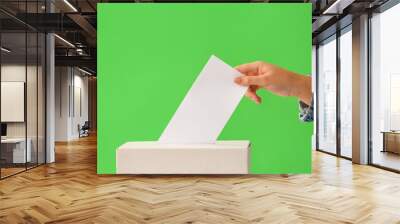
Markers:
point(346, 92)
point(327, 95)
point(385, 89)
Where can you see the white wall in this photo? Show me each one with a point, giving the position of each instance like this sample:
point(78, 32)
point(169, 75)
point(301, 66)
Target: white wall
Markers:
point(12, 73)
point(62, 82)
point(70, 83)
point(79, 117)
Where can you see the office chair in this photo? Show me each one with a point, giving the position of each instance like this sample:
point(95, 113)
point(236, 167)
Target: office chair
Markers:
point(84, 130)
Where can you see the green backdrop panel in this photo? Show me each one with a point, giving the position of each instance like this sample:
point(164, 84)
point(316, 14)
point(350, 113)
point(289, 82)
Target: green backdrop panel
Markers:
point(150, 54)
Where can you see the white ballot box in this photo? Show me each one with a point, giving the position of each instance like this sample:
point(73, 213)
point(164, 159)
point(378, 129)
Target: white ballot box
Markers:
point(153, 157)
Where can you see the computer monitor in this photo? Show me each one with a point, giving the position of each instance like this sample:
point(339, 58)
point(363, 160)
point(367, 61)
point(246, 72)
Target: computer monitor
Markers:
point(3, 129)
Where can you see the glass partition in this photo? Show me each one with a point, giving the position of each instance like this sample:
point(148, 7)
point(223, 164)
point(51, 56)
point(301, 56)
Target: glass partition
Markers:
point(41, 107)
point(22, 78)
point(14, 153)
point(32, 95)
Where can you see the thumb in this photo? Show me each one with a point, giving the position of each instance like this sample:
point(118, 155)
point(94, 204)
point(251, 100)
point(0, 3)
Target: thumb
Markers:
point(249, 80)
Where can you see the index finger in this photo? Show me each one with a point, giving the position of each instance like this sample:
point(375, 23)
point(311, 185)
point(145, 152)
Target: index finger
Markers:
point(249, 67)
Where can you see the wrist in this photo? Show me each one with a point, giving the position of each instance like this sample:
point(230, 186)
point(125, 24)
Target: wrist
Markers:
point(302, 88)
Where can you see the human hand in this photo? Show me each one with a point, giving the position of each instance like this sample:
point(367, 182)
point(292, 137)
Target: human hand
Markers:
point(257, 75)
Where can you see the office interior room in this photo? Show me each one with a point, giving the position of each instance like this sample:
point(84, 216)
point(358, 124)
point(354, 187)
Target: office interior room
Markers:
point(49, 127)
point(22, 100)
point(29, 129)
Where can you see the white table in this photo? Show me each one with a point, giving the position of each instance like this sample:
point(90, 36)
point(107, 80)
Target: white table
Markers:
point(18, 149)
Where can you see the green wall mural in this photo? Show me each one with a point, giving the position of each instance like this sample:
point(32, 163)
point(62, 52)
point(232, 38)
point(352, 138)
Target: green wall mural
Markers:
point(150, 54)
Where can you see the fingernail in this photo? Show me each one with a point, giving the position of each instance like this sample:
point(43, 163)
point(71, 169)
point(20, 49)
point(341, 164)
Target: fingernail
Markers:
point(238, 80)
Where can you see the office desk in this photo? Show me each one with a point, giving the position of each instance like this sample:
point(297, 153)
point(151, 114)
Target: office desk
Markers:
point(13, 150)
point(391, 141)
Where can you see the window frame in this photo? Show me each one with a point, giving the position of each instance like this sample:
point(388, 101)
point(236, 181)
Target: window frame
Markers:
point(339, 32)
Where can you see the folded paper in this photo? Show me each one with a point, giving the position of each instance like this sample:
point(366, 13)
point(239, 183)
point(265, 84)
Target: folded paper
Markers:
point(207, 106)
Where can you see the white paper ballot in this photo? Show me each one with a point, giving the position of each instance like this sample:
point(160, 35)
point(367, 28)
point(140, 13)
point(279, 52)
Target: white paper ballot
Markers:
point(207, 106)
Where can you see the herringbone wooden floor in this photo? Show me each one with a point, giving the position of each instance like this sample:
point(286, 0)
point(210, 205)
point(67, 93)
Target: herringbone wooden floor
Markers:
point(70, 191)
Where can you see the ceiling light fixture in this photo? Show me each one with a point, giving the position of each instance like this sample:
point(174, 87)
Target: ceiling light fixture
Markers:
point(65, 41)
point(84, 71)
point(79, 51)
point(70, 5)
point(5, 50)
point(337, 7)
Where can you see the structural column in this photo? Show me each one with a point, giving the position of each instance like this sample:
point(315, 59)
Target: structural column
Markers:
point(50, 92)
point(360, 90)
